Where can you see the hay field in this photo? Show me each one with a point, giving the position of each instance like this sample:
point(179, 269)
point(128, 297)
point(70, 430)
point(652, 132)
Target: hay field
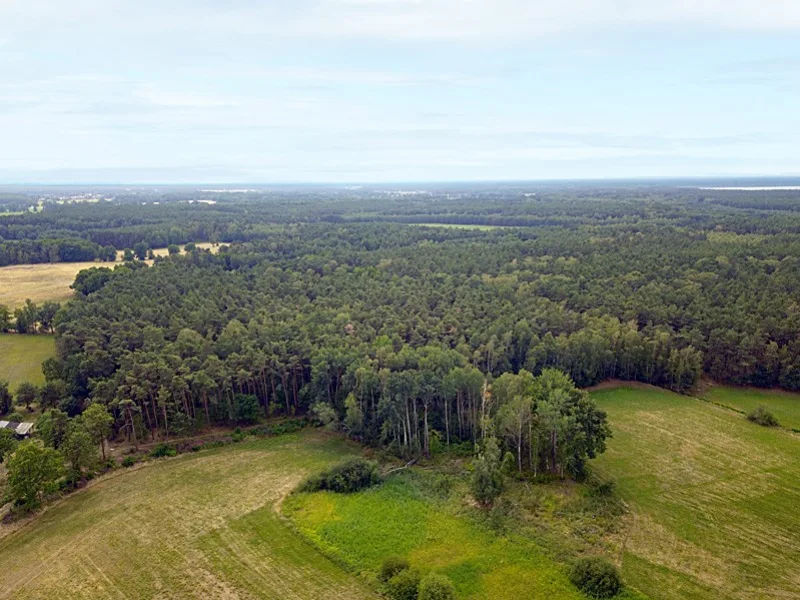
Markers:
point(51, 281)
point(714, 498)
point(202, 525)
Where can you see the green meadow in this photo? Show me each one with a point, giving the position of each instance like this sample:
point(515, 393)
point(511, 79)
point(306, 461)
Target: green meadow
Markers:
point(713, 498)
point(784, 405)
point(430, 520)
point(21, 357)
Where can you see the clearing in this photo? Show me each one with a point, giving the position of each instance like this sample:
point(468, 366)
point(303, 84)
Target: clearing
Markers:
point(51, 281)
point(713, 497)
point(784, 405)
point(21, 357)
point(201, 525)
point(458, 226)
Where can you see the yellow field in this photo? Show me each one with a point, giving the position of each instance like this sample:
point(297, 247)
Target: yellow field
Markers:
point(50, 281)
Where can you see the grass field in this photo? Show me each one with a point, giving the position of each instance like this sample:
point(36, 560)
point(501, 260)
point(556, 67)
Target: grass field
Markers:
point(201, 525)
point(50, 281)
point(714, 498)
point(401, 518)
point(430, 520)
point(458, 226)
point(784, 405)
point(21, 357)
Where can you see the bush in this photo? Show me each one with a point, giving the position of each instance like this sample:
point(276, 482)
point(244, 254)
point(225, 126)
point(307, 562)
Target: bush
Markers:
point(596, 577)
point(351, 476)
point(128, 461)
point(391, 566)
point(163, 450)
point(404, 585)
point(436, 587)
point(762, 416)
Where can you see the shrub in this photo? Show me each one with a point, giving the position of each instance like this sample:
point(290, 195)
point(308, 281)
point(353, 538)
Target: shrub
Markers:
point(436, 587)
point(762, 416)
point(596, 577)
point(163, 450)
point(600, 488)
point(391, 566)
point(128, 461)
point(404, 585)
point(351, 476)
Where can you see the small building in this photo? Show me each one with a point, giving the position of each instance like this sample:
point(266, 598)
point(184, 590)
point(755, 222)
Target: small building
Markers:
point(21, 430)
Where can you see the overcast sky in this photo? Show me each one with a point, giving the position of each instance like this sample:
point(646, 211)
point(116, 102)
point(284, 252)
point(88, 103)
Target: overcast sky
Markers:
point(396, 90)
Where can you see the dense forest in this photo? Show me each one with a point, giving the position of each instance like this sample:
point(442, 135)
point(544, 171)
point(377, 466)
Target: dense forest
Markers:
point(407, 335)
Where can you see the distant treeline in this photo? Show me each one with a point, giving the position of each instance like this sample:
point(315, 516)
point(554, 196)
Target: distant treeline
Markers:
point(161, 219)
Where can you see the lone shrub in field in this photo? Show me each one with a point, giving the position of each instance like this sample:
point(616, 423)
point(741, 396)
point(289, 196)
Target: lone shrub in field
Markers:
point(391, 566)
point(762, 416)
point(351, 476)
point(404, 585)
point(596, 577)
point(436, 587)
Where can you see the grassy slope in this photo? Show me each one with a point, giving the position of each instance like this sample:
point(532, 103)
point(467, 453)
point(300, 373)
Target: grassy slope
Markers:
point(198, 526)
point(714, 498)
point(784, 405)
point(21, 357)
point(407, 516)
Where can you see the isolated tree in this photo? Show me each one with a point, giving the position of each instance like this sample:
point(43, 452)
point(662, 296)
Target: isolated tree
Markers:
point(487, 476)
point(47, 314)
point(108, 253)
point(173, 249)
point(140, 250)
point(128, 255)
point(190, 247)
point(33, 472)
point(26, 394)
point(6, 399)
point(98, 421)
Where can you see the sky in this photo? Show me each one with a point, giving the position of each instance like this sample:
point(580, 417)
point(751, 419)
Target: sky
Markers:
point(227, 91)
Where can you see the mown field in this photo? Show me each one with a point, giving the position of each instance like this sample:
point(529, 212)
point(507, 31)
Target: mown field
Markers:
point(784, 405)
point(21, 357)
point(714, 498)
point(50, 281)
point(201, 525)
